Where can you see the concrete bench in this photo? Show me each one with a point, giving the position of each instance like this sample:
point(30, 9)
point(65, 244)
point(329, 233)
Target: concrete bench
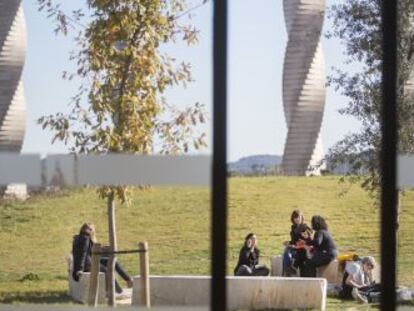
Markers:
point(250, 293)
point(79, 290)
point(276, 265)
point(331, 272)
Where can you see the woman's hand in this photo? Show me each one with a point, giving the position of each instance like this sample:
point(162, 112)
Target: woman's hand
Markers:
point(351, 282)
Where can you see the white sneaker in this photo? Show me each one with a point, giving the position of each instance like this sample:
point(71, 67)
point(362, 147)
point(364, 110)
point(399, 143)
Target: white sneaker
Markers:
point(358, 296)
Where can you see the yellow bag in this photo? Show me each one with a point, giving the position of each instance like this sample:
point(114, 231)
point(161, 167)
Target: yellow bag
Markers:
point(347, 257)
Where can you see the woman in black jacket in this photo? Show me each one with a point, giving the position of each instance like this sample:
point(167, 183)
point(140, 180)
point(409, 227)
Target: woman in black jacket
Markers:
point(82, 256)
point(248, 264)
point(289, 253)
point(302, 251)
point(323, 247)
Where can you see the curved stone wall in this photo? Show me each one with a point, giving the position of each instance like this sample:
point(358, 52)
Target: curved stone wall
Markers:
point(12, 56)
point(303, 86)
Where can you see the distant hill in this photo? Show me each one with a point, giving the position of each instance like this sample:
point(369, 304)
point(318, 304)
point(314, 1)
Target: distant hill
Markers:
point(266, 164)
point(255, 164)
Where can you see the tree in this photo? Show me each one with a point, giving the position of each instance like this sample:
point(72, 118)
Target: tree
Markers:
point(357, 23)
point(120, 105)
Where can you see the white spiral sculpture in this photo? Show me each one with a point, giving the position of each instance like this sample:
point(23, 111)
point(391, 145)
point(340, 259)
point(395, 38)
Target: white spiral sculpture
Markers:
point(303, 86)
point(12, 56)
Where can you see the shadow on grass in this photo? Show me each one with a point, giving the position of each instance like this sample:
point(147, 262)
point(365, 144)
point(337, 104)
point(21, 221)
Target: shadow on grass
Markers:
point(50, 297)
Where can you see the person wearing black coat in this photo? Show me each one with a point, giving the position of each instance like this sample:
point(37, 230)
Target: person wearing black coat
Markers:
point(82, 256)
point(289, 253)
point(81, 251)
point(302, 253)
point(248, 264)
point(323, 246)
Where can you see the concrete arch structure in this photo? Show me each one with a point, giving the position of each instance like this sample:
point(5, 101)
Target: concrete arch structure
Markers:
point(303, 86)
point(12, 101)
point(12, 57)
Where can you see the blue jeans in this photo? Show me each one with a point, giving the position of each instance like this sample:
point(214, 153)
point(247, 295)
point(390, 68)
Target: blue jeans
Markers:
point(288, 256)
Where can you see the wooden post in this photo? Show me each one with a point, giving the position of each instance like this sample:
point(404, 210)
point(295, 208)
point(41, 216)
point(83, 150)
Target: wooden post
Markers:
point(94, 277)
point(144, 269)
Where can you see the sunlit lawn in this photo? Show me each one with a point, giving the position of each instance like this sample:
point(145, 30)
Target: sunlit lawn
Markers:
point(36, 235)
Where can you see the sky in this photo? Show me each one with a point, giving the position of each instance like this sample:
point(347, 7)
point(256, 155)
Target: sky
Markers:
point(257, 40)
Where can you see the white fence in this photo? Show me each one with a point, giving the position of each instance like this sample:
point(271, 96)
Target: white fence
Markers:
point(110, 169)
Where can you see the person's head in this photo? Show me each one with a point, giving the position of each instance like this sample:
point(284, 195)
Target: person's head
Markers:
point(304, 231)
point(368, 264)
point(297, 217)
point(319, 223)
point(250, 240)
point(89, 230)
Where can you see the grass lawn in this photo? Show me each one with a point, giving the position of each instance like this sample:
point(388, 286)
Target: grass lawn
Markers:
point(36, 235)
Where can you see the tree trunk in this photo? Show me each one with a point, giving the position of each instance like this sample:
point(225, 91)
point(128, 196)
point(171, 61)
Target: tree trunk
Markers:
point(110, 276)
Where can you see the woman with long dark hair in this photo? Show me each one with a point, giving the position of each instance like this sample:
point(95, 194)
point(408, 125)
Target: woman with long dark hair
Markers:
point(82, 256)
point(248, 264)
point(323, 247)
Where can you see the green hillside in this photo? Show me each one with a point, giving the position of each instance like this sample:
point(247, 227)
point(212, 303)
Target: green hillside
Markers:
point(36, 235)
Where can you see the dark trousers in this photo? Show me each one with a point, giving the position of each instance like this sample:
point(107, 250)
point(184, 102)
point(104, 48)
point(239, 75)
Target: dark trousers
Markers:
point(300, 259)
point(318, 259)
point(371, 288)
point(372, 292)
point(258, 270)
point(103, 267)
point(346, 292)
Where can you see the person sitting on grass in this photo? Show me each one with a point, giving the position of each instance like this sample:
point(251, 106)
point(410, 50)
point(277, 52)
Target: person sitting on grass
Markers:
point(322, 246)
point(82, 256)
point(248, 264)
point(290, 246)
point(358, 282)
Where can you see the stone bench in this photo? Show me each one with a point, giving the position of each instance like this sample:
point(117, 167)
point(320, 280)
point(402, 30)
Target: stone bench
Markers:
point(250, 293)
point(332, 272)
point(79, 290)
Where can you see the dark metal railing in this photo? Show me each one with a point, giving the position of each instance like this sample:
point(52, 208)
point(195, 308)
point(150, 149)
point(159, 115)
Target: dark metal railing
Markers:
point(219, 186)
point(389, 193)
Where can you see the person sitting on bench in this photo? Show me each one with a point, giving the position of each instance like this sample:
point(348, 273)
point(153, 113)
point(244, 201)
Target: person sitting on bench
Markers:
point(82, 256)
point(248, 264)
point(358, 282)
point(302, 252)
point(289, 254)
point(323, 246)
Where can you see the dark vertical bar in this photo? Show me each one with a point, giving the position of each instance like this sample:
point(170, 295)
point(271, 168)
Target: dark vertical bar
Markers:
point(219, 193)
point(388, 156)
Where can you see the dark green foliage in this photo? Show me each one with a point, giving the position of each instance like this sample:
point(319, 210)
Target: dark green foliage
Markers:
point(357, 24)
